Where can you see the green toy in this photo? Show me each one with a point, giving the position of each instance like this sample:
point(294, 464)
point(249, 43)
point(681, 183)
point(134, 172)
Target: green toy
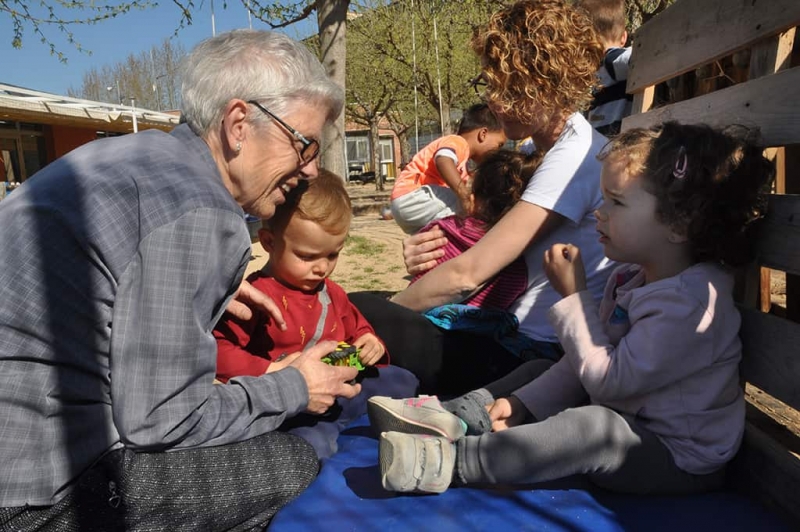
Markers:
point(344, 355)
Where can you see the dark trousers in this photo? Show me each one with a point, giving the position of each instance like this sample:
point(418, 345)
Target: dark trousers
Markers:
point(445, 362)
point(232, 487)
point(323, 431)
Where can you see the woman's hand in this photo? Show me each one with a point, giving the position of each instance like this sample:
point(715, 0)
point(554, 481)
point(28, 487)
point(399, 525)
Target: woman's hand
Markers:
point(371, 349)
point(506, 412)
point(564, 268)
point(324, 382)
point(247, 298)
point(420, 251)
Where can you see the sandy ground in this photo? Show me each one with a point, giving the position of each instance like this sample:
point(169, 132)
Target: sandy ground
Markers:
point(373, 255)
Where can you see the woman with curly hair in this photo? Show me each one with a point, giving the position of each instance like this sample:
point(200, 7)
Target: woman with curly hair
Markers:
point(539, 62)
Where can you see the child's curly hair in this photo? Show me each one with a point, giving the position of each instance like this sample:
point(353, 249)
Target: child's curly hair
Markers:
point(539, 54)
point(323, 200)
point(499, 182)
point(710, 185)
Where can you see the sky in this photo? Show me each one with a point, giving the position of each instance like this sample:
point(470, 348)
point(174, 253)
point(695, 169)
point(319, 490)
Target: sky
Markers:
point(113, 40)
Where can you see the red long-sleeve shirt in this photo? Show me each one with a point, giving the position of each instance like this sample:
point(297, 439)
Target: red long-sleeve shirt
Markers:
point(249, 347)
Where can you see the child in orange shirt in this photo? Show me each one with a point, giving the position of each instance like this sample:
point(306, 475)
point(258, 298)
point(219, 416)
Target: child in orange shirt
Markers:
point(435, 183)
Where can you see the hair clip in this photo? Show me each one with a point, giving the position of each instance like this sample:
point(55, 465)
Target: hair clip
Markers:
point(681, 163)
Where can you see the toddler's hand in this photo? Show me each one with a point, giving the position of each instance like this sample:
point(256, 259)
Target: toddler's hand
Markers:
point(506, 412)
point(564, 269)
point(371, 349)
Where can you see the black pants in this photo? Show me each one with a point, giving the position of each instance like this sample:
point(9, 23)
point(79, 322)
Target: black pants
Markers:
point(231, 487)
point(445, 362)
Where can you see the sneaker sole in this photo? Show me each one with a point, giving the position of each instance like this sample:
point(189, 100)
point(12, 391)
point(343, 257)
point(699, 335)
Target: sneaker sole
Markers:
point(387, 421)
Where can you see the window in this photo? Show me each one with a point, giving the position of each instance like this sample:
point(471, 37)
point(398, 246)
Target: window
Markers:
point(23, 150)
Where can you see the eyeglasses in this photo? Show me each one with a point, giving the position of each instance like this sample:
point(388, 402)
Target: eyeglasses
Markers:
point(310, 149)
point(479, 84)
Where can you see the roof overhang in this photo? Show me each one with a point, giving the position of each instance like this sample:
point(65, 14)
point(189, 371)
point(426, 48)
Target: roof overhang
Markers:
point(25, 105)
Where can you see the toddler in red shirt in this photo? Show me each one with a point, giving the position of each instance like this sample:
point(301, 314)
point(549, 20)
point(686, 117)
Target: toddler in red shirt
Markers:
point(304, 239)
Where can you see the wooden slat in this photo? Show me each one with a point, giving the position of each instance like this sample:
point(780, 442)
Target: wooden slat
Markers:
point(691, 33)
point(778, 242)
point(771, 360)
point(768, 472)
point(765, 102)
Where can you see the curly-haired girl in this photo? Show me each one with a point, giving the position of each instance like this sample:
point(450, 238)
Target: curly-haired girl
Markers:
point(656, 361)
point(498, 183)
point(539, 62)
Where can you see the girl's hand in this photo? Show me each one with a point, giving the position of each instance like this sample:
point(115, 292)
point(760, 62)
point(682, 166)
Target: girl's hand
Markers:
point(564, 268)
point(372, 349)
point(420, 251)
point(506, 412)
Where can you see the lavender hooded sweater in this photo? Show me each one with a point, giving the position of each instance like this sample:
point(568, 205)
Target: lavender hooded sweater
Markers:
point(667, 353)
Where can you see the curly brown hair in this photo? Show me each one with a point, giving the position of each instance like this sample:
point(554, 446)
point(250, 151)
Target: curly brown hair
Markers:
point(719, 194)
point(499, 182)
point(539, 55)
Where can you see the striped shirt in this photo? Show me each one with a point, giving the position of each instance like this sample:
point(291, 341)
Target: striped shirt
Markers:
point(503, 288)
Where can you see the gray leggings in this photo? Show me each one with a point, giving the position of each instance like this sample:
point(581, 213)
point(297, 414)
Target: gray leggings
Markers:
point(612, 449)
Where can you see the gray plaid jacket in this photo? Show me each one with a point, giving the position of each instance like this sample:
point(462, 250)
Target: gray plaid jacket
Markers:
point(115, 263)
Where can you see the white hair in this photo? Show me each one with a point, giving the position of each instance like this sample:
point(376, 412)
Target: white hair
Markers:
point(265, 66)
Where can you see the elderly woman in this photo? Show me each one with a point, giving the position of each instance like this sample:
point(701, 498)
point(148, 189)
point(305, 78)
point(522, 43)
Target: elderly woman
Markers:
point(539, 60)
point(115, 263)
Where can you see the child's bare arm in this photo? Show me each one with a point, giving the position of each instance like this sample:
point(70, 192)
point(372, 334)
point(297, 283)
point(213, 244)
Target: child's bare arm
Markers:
point(450, 175)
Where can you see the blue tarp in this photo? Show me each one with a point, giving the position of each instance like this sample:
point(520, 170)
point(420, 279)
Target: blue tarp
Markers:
point(347, 495)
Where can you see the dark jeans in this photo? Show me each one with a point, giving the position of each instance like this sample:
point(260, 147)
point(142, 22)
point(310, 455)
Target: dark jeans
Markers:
point(231, 487)
point(446, 363)
point(323, 431)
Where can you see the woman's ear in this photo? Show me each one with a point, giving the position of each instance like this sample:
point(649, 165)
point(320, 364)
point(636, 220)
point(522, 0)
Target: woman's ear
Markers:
point(234, 120)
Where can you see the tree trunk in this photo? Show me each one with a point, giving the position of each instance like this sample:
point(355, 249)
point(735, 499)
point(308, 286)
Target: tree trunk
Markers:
point(331, 19)
point(405, 149)
point(375, 153)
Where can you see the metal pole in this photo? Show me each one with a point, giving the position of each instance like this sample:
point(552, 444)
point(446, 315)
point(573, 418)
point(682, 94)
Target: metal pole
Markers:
point(438, 73)
point(414, 57)
point(133, 114)
point(213, 25)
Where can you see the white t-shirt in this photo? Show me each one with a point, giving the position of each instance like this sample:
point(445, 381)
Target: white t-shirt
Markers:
point(567, 182)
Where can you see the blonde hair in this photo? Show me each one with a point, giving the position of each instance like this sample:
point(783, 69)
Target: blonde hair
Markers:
point(539, 55)
point(323, 200)
point(608, 17)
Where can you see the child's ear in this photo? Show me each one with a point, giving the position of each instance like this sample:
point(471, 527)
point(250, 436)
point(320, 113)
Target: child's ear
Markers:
point(267, 239)
point(482, 132)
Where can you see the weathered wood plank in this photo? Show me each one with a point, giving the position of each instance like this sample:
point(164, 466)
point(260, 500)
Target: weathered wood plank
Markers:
point(691, 33)
point(771, 358)
point(765, 102)
point(768, 472)
point(778, 241)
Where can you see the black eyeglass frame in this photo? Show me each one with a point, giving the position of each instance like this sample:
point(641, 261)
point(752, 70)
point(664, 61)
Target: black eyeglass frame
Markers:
point(310, 149)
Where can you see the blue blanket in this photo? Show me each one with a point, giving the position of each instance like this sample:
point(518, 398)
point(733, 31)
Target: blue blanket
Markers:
point(347, 495)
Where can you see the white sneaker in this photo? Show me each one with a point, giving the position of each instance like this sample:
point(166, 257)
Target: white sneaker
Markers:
point(416, 463)
point(416, 415)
